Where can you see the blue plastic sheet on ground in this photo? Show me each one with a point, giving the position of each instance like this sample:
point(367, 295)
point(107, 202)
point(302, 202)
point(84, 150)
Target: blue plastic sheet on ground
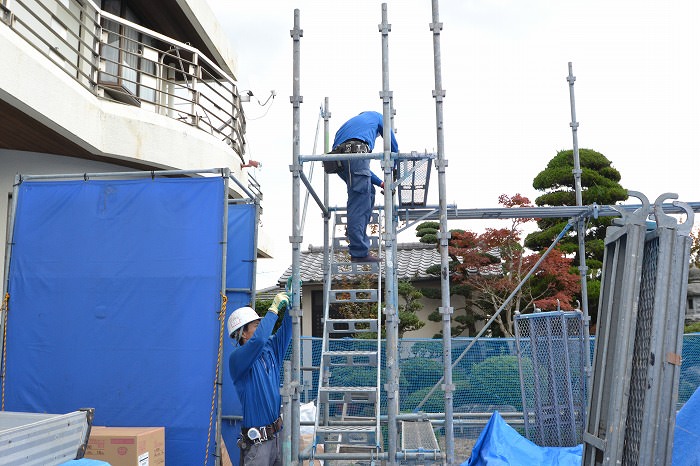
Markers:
point(686, 437)
point(500, 444)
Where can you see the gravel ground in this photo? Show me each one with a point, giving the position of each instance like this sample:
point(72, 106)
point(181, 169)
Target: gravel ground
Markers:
point(463, 448)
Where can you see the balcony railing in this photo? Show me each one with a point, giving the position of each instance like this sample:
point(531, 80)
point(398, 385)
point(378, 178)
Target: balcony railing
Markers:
point(122, 61)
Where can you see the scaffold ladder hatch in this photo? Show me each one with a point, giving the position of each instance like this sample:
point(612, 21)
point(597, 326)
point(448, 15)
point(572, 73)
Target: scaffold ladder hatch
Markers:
point(348, 401)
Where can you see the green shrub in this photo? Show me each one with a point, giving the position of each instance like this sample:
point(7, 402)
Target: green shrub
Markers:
point(692, 328)
point(496, 381)
point(419, 372)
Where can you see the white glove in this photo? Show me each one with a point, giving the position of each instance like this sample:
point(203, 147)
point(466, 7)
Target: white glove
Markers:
point(280, 302)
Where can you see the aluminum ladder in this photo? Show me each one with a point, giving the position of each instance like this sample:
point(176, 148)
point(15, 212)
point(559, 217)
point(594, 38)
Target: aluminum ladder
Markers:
point(349, 388)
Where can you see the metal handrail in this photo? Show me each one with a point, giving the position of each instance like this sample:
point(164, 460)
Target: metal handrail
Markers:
point(119, 60)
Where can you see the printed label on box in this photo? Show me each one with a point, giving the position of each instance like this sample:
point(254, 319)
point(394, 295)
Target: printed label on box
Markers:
point(143, 459)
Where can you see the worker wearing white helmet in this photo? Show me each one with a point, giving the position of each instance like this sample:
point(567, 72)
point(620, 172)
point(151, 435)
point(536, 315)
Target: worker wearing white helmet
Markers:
point(255, 365)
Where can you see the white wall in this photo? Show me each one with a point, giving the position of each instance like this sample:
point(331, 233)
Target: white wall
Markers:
point(123, 132)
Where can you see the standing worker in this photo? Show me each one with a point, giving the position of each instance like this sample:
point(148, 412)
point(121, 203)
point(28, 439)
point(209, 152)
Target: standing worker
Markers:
point(255, 366)
point(357, 135)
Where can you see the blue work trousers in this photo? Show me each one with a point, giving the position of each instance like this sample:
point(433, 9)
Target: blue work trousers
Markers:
point(361, 193)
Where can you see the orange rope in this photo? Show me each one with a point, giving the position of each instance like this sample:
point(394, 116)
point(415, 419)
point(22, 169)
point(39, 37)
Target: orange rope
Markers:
point(4, 310)
point(222, 318)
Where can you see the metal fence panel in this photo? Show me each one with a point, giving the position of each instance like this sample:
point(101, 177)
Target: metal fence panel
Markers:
point(551, 351)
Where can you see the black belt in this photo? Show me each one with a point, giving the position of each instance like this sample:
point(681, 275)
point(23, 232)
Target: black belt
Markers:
point(260, 434)
point(351, 146)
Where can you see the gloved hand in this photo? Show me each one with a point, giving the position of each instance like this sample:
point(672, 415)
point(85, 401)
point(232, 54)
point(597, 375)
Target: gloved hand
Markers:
point(280, 302)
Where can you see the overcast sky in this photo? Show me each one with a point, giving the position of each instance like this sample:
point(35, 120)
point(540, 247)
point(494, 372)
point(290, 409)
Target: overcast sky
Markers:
point(507, 109)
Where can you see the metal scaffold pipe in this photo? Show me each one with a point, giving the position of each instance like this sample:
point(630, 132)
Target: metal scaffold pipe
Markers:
point(295, 239)
point(392, 324)
point(446, 308)
point(581, 224)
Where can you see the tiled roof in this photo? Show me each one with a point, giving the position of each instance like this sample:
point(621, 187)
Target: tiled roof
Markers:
point(268, 293)
point(413, 259)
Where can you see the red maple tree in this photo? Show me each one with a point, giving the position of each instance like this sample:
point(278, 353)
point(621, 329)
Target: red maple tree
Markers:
point(492, 264)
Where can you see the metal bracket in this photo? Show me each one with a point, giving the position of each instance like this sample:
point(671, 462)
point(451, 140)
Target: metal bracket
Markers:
point(7, 15)
point(685, 227)
point(663, 220)
point(638, 216)
point(667, 221)
point(446, 312)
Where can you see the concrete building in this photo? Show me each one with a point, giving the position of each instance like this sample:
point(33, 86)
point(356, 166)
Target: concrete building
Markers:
point(115, 86)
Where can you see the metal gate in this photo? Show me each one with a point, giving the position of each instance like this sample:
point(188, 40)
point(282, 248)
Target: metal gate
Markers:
point(632, 408)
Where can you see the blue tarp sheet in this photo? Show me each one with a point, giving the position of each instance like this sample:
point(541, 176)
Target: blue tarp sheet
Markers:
point(686, 437)
point(500, 444)
point(114, 294)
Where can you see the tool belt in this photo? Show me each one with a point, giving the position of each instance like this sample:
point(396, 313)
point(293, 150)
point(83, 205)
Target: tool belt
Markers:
point(253, 435)
point(350, 146)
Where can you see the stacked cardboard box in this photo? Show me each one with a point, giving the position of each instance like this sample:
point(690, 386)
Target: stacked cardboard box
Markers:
point(127, 446)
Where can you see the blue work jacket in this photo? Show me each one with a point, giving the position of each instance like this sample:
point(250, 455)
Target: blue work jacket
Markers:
point(256, 369)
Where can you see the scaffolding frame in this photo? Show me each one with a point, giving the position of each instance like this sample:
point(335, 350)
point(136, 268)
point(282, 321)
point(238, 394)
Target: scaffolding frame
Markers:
point(443, 212)
point(388, 238)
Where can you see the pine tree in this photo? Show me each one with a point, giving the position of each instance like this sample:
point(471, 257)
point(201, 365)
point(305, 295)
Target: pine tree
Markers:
point(600, 184)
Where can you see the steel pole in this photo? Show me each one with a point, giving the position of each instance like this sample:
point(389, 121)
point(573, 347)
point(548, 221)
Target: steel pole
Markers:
point(446, 309)
point(391, 297)
point(295, 239)
point(220, 370)
point(580, 228)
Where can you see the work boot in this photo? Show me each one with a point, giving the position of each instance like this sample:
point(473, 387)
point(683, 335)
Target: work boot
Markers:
point(367, 258)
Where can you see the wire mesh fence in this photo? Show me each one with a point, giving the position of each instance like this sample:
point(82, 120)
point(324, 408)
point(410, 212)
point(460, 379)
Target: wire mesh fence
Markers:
point(552, 351)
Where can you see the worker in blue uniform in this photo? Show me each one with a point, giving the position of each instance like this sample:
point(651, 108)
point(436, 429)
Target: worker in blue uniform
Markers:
point(255, 365)
point(357, 135)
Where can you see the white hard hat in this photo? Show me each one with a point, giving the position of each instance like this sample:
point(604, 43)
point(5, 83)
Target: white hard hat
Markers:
point(240, 317)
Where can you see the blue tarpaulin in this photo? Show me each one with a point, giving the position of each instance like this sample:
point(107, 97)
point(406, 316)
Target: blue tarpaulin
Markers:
point(686, 437)
point(114, 299)
point(499, 445)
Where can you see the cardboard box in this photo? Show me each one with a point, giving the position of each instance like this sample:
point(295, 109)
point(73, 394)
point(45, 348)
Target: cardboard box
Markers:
point(127, 446)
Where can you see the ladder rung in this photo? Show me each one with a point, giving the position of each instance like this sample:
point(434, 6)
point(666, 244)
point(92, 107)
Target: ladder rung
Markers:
point(339, 429)
point(348, 436)
point(340, 243)
point(367, 295)
point(355, 268)
point(342, 218)
point(361, 395)
point(351, 325)
point(351, 358)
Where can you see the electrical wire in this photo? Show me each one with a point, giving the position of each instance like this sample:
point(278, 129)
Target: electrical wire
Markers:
point(263, 104)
